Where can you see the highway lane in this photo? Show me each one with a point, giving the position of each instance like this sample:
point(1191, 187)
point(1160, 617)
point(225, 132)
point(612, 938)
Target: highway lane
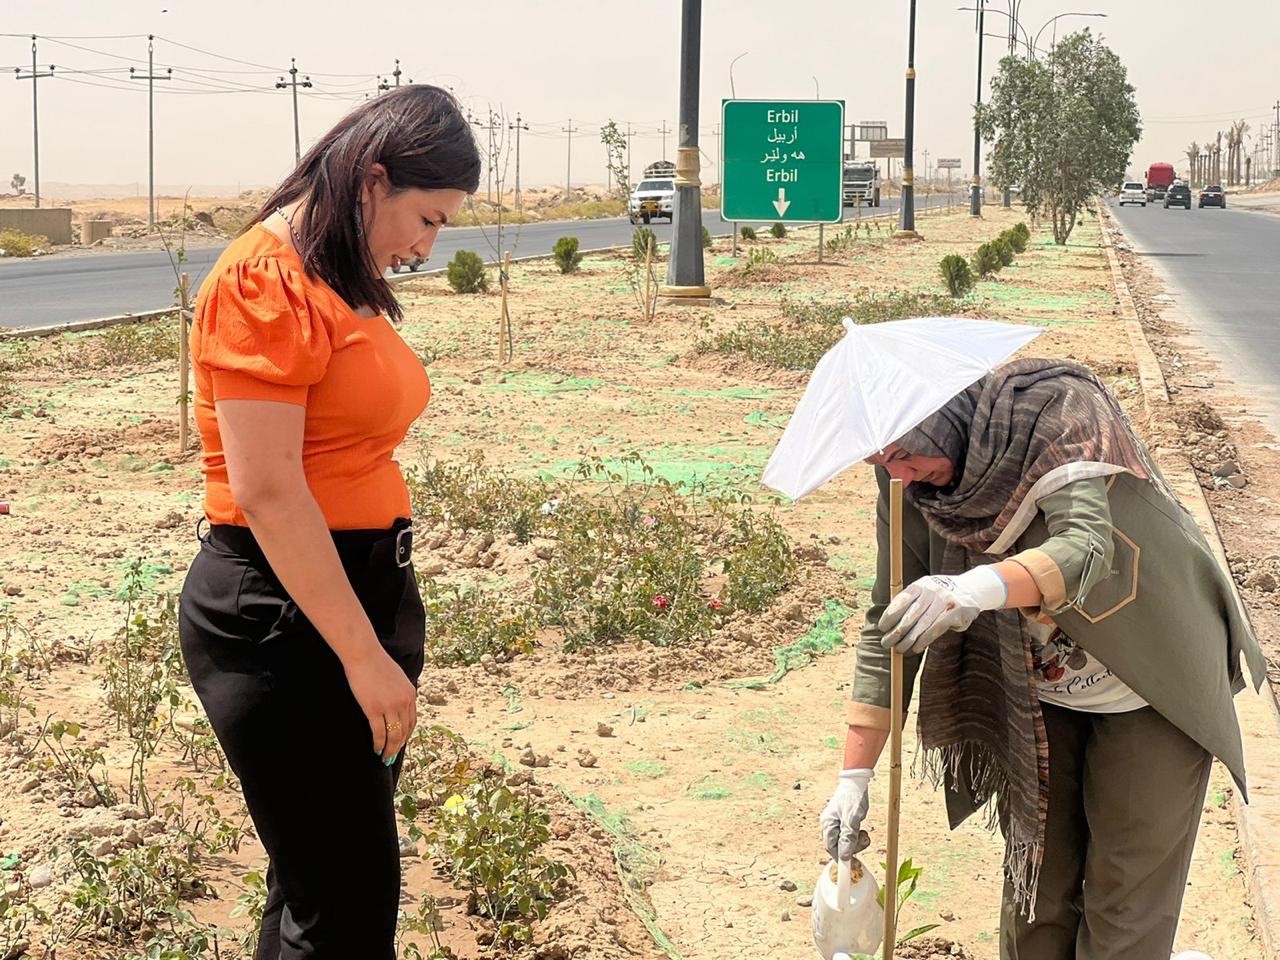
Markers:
point(1224, 267)
point(51, 290)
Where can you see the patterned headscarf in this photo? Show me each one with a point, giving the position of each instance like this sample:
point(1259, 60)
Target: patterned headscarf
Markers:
point(980, 722)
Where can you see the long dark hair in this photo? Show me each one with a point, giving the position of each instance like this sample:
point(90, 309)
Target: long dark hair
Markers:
point(419, 134)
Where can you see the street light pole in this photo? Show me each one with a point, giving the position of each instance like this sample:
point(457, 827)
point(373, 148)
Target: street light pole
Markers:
point(975, 198)
point(685, 274)
point(908, 178)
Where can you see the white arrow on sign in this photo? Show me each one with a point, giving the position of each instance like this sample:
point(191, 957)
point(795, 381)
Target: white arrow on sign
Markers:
point(782, 202)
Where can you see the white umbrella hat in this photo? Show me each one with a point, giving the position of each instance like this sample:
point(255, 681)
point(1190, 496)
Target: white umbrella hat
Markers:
point(878, 382)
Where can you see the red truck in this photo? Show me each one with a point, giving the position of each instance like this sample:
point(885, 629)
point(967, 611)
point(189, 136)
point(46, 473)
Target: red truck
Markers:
point(1159, 176)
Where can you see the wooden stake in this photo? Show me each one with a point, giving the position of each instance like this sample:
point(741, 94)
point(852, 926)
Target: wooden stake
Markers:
point(895, 730)
point(820, 238)
point(648, 280)
point(506, 341)
point(184, 359)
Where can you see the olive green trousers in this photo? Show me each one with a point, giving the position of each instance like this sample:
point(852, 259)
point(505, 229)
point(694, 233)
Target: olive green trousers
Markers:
point(1125, 795)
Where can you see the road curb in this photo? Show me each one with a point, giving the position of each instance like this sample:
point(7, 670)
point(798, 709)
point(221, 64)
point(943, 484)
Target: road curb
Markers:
point(22, 333)
point(1258, 822)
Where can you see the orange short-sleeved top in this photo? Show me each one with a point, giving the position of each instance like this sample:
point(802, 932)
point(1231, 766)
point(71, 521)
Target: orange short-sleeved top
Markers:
point(264, 330)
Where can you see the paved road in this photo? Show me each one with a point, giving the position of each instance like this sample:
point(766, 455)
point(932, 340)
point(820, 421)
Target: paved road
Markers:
point(1224, 266)
point(61, 289)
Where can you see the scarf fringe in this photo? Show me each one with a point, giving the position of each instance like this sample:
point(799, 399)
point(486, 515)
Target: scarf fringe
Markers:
point(966, 762)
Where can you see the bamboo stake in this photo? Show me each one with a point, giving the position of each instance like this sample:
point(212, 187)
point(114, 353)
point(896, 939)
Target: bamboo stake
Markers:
point(184, 359)
point(895, 730)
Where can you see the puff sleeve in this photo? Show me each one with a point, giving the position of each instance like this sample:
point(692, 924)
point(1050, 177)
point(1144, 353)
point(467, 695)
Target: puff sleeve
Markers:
point(257, 335)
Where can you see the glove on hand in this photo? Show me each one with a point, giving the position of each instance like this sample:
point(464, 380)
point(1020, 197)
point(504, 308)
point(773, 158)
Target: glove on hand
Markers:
point(841, 819)
point(932, 606)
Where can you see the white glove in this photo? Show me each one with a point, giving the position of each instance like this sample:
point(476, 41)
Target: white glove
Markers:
point(841, 819)
point(932, 606)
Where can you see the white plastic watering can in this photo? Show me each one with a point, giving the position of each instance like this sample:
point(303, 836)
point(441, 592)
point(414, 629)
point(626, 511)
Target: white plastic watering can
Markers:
point(846, 917)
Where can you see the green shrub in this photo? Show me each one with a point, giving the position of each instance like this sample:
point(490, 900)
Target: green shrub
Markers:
point(641, 238)
point(706, 237)
point(489, 838)
point(868, 308)
point(1003, 250)
point(986, 261)
point(778, 230)
point(1015, 240)
point(467, 274)
point(636, 557)
point(759, 256)
point(1021, 230)
point(956, 274)
point(566, 254)
point(778, 345)
point(747, 233)
point(841, 241)
point(465, 625)
point(472, 496)
point(15, 243)
point(761, 565)
point(130, 343)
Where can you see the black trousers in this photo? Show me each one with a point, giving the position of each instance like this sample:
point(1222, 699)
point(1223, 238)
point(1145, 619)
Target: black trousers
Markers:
point(279, 702)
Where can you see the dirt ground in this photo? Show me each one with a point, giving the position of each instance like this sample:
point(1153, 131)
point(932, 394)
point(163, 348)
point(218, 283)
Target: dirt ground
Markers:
point(712, 786)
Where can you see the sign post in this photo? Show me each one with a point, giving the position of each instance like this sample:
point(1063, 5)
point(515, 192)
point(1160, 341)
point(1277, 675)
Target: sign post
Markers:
point(783, 160)
point(948, 164)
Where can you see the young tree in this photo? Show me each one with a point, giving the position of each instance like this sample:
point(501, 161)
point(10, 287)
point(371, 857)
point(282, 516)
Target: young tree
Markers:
point(1063, 127)
point(19, 184)
point(615, 145)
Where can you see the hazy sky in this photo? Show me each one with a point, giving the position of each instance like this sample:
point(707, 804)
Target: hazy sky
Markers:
point(1194, 72)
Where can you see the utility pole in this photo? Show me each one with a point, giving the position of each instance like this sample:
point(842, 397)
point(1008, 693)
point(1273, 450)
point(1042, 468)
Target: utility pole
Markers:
point(685, 271)
point(1275, 139)
point(294, 82)
point(396, 72)
point(926, 168)
point(517, 127)
point(151, 77)
point(568, 158)
point(908, 166)
point(491, 126)
point(664, 130)
point(975, 201)
point(34, 76)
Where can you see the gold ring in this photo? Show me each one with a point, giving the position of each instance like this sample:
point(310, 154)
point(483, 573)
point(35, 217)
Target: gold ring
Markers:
point(393, 724)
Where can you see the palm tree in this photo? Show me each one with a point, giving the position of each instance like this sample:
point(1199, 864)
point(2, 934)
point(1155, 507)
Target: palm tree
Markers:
point(1193, 156)
point(1239, 129)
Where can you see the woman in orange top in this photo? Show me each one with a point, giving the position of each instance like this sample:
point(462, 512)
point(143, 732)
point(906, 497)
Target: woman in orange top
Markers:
point(300, 618)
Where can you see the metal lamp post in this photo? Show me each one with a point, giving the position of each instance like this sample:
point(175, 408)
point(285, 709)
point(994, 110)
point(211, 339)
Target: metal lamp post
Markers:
point(685, 273)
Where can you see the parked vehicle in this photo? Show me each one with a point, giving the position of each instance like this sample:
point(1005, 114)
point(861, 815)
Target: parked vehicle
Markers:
point(1159, 177)
point(861, 183)
point(1133, 192)
point(1213, 196)
point(1177, 195)
point(413, 263)
point(655, 195)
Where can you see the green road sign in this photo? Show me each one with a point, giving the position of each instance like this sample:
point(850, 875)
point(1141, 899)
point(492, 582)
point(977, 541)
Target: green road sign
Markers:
point(782, 160)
